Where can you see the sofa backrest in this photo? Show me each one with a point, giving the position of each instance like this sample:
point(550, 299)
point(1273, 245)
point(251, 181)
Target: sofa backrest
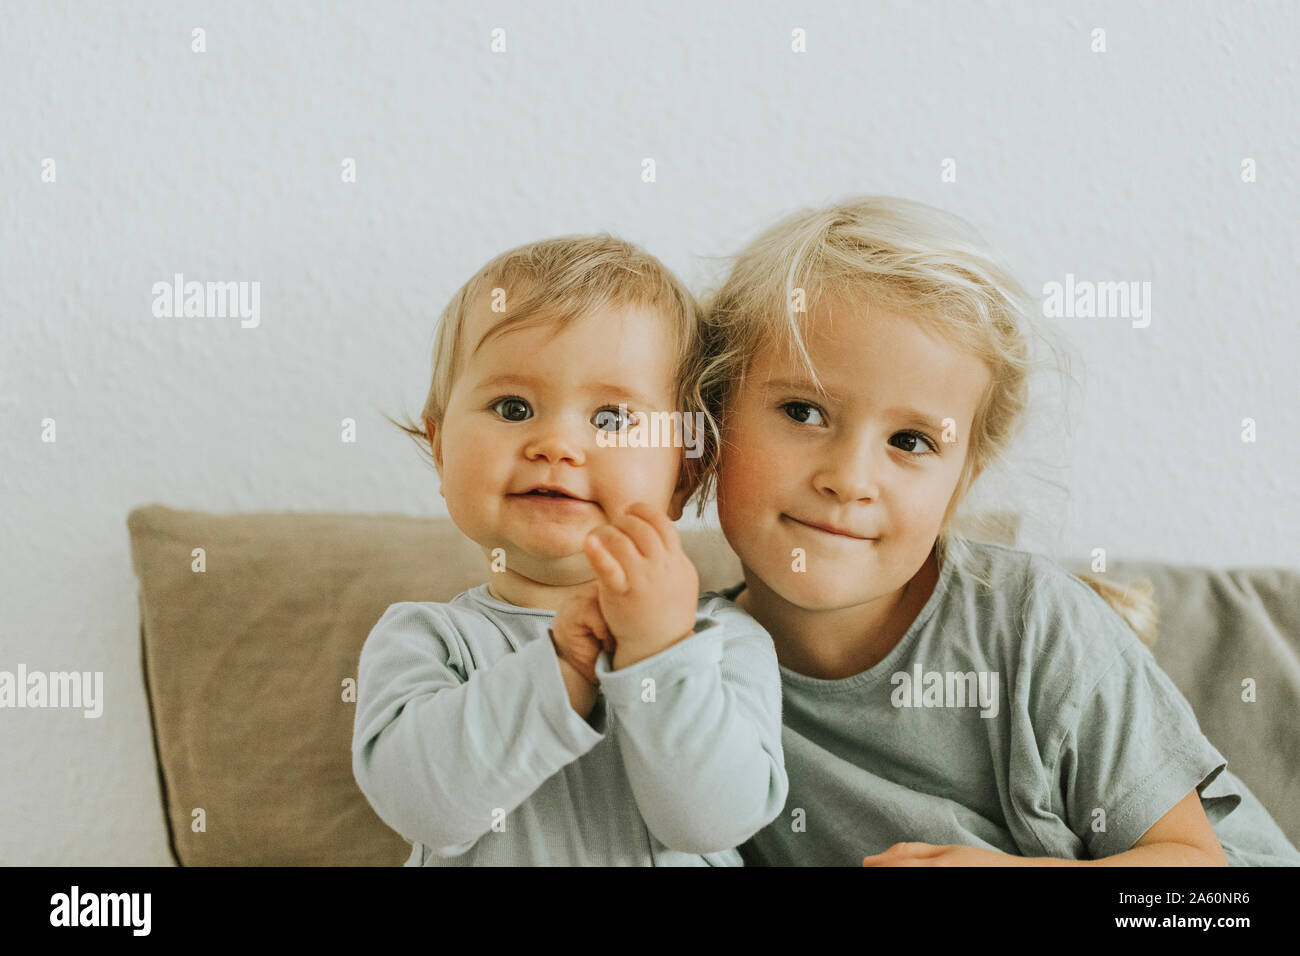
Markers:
point(252, 626)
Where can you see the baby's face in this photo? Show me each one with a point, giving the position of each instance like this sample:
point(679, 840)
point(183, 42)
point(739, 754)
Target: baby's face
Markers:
point(861, 462)
point(525, 412)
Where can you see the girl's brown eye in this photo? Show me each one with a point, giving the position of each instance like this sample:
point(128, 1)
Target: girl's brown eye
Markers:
point(798, 411)
point(913, 439)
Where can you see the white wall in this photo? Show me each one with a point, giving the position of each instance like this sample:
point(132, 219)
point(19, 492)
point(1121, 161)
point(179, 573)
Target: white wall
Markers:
point(1122, 165)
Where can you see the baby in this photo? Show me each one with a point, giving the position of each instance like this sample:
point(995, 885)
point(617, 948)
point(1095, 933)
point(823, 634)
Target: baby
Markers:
point(639, 725)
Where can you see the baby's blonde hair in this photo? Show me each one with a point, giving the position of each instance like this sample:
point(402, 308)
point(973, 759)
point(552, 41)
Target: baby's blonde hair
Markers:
point(903, 255)
point(561, 281)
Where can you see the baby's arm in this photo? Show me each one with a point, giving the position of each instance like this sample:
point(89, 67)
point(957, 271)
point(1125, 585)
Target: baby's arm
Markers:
point(441, 758)
point(697, 712)
point(699, 726)
point(582, 692)
point(579, 633)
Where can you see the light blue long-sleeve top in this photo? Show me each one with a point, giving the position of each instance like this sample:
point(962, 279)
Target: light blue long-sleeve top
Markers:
point(466, 744)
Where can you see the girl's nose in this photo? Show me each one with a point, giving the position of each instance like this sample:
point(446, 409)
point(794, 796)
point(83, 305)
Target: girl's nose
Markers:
point(850, 472)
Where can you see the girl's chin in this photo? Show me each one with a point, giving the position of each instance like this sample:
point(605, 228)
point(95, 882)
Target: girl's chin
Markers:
point(822, 595)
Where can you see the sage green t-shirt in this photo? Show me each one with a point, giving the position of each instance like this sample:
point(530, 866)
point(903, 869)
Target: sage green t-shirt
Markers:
point(1027, 718)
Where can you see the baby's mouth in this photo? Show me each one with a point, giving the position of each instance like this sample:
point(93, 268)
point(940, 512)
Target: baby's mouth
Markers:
point(551, 496)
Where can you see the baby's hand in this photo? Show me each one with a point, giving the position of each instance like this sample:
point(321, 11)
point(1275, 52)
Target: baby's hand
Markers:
point(579, 632)
point(648, 590)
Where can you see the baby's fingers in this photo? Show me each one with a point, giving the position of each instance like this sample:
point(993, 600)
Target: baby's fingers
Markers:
point(600, 631)
point(596, 622)
point(660, 522)
point(608, 569)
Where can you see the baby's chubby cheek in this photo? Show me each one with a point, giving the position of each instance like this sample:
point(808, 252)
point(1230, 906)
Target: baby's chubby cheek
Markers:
point(474, 501)
point(464, 507)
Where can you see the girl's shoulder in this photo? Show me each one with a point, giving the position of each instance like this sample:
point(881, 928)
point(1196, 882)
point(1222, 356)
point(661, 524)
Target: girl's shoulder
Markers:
point(1055, 643)
point(1031, 599)
point(1035, 577)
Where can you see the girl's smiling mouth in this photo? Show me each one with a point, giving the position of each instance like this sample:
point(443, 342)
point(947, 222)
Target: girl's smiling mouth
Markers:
point(829, 529)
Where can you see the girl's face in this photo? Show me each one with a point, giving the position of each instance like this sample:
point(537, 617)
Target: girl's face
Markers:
point(853, 487)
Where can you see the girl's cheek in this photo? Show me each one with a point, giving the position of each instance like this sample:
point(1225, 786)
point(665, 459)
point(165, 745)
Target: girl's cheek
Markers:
point(924, 510)
point(746, 456)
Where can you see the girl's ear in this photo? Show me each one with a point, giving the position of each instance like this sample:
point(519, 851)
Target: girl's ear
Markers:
point(959, 495)
point(970, 483)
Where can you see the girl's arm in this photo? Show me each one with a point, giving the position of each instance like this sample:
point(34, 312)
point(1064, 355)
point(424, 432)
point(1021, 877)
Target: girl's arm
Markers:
point(1182, 837)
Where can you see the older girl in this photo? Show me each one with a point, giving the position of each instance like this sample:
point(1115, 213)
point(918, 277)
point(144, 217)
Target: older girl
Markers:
point(945, 701)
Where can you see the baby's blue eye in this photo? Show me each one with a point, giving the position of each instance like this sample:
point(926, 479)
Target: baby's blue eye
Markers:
point(608, 420)
point(799, 417)
point(517, 409)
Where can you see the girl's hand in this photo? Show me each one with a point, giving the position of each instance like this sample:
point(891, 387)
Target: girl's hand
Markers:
point(647, 587)
point(927, 854)
point(579, 632)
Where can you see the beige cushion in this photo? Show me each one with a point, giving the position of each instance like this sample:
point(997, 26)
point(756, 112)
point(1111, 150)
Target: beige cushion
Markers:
point(245, 664)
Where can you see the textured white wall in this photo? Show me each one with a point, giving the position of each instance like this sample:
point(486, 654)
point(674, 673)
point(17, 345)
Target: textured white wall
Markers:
point(1122, 165)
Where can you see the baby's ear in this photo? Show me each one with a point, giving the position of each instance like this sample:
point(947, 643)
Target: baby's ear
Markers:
point(686, 484)
point(435, 444)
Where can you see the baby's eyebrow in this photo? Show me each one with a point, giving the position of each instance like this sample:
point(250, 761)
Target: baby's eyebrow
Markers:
point(591, 388)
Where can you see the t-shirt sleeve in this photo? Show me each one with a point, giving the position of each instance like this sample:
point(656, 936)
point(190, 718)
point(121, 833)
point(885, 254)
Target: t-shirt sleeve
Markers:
point(699, 727)
point(1131, 748)
point(440, 749)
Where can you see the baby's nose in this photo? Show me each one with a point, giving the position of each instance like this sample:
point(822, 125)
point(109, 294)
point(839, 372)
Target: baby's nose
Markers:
point(555, 443)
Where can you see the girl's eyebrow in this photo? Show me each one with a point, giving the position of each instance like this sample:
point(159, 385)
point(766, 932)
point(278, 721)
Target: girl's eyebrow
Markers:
point(914, 417)
point(909, 415)
point(796, 385)
point(591, 388)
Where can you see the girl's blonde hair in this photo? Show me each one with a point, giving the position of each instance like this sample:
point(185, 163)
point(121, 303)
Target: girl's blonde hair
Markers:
point(561, 281)
point(903, 255)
